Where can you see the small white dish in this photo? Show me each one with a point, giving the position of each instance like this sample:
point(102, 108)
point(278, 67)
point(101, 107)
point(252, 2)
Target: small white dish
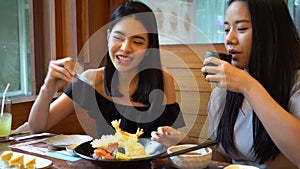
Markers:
point(62, 141)
point(239, 166)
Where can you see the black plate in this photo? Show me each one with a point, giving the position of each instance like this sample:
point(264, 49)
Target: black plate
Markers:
point(153, 148)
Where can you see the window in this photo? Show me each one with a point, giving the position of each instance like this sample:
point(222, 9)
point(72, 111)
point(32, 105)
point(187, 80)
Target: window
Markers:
point(197, 21)
point(14, 48)
point(294, 7)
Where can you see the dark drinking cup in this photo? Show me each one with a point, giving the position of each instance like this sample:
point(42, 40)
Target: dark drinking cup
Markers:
point(222, 56)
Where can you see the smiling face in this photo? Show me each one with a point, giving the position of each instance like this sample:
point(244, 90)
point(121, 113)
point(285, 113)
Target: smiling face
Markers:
point(128, 42)
point(238, 33)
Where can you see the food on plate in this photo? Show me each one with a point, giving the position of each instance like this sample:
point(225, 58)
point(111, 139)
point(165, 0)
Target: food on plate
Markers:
point(16, 159)
point(116, 125)
point(6, 155)
point(29, 162)
point(108, 146)
point(122, 156)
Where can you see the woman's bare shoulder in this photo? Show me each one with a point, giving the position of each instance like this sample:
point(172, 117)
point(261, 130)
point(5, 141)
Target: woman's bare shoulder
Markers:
point(168, 78)
point(95, 76)
point(169, 87)
point(92, 73)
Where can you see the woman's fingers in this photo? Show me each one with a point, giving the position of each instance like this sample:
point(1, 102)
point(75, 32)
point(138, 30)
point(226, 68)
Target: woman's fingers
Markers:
point(212, 61)
point(62, 68)
point(57, 72)
point(166, 130)
point(163, 135)
point(154, 136)
point(68, 64)
point(226, 76)
point(167, 135)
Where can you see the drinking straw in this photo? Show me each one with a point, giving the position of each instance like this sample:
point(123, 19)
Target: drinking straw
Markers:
point(3, 98)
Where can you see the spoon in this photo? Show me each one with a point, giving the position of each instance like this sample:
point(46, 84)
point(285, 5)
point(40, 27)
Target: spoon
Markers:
point(204, 145)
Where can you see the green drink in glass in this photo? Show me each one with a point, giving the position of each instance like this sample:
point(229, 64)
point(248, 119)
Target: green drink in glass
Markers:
point(5, 121)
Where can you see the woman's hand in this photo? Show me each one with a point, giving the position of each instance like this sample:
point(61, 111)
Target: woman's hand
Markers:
point(60, 72)
point(226, 75)
point(167, 136)
point(45, 113)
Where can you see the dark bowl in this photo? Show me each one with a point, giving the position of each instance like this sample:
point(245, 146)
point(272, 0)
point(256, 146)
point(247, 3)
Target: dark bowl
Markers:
point(153, 148)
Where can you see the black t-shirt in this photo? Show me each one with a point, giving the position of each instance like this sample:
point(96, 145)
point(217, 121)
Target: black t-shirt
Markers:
point(104, 111)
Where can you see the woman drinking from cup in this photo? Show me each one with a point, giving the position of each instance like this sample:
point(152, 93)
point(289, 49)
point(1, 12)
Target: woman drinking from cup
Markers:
point(254, 112)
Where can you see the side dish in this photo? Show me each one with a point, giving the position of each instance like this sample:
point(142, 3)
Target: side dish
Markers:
point(18, 160)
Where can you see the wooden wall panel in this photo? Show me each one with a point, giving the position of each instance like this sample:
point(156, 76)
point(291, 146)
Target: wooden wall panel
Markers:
point(190, 80)
point(196, 126)
point(193, 102)
point(184, 62)
point(187, 56)
point(20, 112)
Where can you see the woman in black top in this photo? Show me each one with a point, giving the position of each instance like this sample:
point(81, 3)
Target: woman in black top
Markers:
point(131, 86)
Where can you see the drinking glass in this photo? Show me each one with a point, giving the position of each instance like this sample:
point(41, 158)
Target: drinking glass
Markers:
point(5, 120)
point(222, 56)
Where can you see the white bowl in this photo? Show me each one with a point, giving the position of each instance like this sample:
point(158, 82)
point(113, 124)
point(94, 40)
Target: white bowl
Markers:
point(197, 159)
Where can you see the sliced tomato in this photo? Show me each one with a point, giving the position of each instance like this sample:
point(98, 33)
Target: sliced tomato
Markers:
point(102, 153)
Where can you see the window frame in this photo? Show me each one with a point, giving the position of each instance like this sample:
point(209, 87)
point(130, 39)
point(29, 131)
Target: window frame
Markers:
point(22, 46)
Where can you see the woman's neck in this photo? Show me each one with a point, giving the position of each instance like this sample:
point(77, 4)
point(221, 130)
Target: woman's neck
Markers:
point(128, 83)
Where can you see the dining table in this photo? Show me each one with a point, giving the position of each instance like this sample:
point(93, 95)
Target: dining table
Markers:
point(64, 162)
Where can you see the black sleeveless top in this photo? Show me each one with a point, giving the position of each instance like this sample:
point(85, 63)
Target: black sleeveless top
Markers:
point(104, 111)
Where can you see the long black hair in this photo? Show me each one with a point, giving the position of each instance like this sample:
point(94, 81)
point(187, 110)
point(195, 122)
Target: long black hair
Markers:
point(273, 62)
point(150, 73)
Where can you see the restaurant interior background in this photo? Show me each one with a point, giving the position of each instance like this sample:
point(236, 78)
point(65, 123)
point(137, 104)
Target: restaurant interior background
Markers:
point(206, 15)
point(32, 32)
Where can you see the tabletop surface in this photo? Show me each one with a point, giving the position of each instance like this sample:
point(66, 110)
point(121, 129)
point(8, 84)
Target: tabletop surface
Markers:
point(81, 163)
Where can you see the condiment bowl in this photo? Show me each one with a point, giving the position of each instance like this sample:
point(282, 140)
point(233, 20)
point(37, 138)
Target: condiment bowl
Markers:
point(197, 159)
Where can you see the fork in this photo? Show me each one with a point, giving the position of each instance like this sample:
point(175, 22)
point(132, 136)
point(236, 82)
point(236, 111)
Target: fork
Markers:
point(82, 78)
point(78, 76)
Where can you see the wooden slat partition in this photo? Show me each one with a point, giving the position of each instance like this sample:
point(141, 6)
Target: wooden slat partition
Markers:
point(173, 56)
point(189, 79)
point(194, 103)
point(192, 91)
